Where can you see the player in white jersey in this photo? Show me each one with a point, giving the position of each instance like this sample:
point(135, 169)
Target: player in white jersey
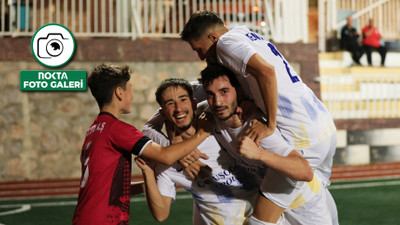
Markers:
point(226, 195)
point(247, 175)
point(221, 88)
point(268, 79)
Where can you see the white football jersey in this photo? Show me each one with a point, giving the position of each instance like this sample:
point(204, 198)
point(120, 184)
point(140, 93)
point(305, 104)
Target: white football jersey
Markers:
point(226, 196)
point(274, 185)
point(302, 119)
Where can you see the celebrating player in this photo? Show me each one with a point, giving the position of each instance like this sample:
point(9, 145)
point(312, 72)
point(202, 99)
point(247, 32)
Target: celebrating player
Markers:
point(266, 77)
point(106, 152)
point(225, 195)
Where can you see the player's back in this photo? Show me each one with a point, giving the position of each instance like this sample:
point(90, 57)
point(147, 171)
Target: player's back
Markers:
point(304, 121)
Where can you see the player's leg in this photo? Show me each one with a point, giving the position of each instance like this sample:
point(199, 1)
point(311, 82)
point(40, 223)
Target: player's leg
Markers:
point(266, 210)
point(277, 194)
point(313, 212)
point(332, 207)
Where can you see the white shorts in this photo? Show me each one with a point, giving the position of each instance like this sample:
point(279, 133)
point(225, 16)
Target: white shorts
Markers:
point(321, 210)
point(320, 158)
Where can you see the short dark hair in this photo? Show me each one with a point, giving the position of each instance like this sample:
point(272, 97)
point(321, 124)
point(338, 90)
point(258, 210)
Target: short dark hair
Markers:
point(198, 23)
point(213, 71)
point(104, 79)
point(173, 82)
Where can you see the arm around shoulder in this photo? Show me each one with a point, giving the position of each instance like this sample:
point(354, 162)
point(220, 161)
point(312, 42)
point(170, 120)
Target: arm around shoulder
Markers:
point(172, 153)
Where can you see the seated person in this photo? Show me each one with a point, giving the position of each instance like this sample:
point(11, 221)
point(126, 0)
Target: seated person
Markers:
point(372, 40)
point(349, 41)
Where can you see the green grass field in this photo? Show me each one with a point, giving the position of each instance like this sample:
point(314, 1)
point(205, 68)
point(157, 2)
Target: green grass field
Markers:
point(368, 202)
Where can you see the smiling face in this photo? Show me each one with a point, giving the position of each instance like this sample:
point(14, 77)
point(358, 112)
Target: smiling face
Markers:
point(177, 107)
point(221, 97)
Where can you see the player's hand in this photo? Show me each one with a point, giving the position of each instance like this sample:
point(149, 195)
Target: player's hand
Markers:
point(248, 148)
point(198, 169)
point(258, 131)
point(143, 165)
point(205, 122)
point(192, 157)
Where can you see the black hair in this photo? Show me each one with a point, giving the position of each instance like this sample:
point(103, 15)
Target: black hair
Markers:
point(198, 23)
point(213, 71)
point(104, 79)
point(173, 82)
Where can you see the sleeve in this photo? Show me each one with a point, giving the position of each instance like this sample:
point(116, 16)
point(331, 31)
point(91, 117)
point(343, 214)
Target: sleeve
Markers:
point(152, 129)
point(276, 144)
point(164, 183)
point(125, 137)
point(234, 52)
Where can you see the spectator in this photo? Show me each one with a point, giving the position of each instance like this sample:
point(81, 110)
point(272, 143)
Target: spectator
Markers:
point(372, 39)
point(349, 41)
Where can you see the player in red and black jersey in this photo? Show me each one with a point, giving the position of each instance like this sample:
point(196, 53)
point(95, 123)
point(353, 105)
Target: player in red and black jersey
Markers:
point(109, 144)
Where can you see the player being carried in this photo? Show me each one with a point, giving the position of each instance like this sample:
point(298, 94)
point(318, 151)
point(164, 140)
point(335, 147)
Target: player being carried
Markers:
point(268, 79)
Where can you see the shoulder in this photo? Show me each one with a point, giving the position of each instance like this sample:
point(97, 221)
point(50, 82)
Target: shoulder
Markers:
point(123, 130)
point(233, 35)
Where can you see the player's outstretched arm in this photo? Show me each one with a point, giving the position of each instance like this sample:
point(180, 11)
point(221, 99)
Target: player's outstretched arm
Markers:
point(264, 73)
point(159, 205)
point(172, 153)
point(293, 165)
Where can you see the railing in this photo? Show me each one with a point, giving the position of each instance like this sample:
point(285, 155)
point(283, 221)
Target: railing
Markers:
point(89, 18)
point(278, 20)
point(332, 16)
point(361, 96)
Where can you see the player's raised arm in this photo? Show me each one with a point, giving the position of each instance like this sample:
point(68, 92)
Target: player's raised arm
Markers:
point(264, 73)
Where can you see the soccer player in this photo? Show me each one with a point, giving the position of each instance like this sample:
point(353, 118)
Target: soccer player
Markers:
point(106, 152)
point(223, 95)
point(231, 184)
point(268, 79)
point(225, 195)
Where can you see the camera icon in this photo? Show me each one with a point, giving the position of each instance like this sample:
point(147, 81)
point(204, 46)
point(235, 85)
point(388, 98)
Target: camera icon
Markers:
point(50, 46)
point(53, 45)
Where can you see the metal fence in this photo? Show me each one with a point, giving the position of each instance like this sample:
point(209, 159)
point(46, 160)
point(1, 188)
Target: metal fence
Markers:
point(279, 20)
point(361, 96)
point(90, 18)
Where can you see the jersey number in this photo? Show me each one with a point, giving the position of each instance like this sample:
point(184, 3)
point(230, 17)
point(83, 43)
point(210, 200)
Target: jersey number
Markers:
point(273, 50)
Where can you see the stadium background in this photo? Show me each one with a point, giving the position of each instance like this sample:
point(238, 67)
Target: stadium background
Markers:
point(41, 132)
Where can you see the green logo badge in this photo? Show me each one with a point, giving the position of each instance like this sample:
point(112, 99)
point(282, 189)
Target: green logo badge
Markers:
point(53, 45)
point(67, 80)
